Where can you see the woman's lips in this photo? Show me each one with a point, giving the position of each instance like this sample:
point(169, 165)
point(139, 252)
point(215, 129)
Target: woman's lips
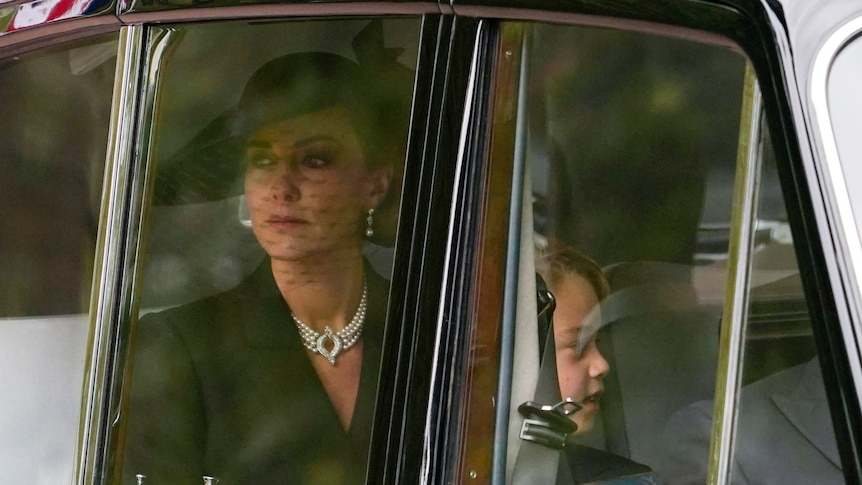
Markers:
point(285, 221)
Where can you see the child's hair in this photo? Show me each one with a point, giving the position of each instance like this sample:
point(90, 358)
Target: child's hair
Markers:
point(555, 261)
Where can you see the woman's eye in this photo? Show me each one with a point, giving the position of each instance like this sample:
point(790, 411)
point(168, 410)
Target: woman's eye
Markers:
point(259, 161)
point(316, 160)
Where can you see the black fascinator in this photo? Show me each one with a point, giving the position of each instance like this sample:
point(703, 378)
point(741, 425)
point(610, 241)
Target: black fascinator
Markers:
point(376, 92)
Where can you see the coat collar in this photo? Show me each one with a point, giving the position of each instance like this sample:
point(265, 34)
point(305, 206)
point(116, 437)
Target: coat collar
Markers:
point(270, 331)
point(265, 314)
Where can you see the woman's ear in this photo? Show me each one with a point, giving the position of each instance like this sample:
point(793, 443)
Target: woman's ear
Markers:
point(378, 186)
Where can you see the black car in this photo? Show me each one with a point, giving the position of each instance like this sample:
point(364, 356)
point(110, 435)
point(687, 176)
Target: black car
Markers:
point(153, 189)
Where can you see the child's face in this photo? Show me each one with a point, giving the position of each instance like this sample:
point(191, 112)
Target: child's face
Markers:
point(580, 366)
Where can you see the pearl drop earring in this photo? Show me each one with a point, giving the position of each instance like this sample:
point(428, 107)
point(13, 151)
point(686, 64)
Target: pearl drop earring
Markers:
point(369, 231)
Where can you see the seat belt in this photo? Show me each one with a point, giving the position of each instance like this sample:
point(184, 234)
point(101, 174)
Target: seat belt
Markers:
point(545, 424)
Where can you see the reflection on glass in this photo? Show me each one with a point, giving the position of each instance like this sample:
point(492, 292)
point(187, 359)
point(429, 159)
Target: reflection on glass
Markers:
point(268, 213)
point(53, 135)
point(783, 432)
point(631, 143)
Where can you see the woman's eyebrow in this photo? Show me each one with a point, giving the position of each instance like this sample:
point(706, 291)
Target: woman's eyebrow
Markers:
point(301, 143)
point(309, 140)
point(258, 144)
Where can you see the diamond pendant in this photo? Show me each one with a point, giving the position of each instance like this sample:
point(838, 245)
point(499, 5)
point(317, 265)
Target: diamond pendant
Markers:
point(336, 345)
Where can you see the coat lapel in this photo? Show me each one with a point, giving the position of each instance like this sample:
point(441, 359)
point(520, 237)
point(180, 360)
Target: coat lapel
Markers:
point(293, 406)
point(265, 314)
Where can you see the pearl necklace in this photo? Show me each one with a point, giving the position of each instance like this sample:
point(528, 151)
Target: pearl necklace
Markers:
point(341, 340)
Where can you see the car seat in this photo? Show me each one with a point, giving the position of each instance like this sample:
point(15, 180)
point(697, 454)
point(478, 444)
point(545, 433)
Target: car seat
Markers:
point(662, 346)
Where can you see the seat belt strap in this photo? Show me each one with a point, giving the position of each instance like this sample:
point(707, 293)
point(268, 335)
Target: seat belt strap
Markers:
point(545, 427)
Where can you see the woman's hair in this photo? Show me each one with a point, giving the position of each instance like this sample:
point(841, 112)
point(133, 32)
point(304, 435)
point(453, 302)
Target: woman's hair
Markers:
point(556, 261)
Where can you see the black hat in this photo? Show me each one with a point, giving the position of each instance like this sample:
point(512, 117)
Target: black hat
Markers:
point(376, 96)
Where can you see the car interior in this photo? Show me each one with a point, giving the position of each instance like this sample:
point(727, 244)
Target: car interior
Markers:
point(633, 160)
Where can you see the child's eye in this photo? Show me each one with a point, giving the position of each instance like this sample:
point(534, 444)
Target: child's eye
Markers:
point(571, 340)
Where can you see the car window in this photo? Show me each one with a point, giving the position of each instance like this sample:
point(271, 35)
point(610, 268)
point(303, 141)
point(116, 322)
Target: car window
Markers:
point(782, 410)
point(627, 149)
point(276, 151)
point(55, 107)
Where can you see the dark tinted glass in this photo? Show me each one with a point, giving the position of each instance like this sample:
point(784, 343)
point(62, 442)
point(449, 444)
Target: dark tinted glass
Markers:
point(54, 114)
point(278, 149)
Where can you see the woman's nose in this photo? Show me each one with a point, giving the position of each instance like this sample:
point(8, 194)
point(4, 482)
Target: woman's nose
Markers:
point(284, 185)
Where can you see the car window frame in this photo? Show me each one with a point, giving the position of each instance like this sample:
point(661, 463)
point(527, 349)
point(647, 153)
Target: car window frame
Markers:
point(734, 319)
point(729, 363)
point(124, 212)
point(850, 246)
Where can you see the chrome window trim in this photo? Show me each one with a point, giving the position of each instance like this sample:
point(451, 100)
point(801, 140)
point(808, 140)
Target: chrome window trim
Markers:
point(49, 35)
point(44, 34)
point(842, 208)
point(734, 315)
point(285, 11)
point(585, 20)
point(108, 274)
point(140, 62)
point(446, 281)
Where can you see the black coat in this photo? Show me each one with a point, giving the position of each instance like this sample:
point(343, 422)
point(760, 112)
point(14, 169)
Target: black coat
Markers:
point(224, 387)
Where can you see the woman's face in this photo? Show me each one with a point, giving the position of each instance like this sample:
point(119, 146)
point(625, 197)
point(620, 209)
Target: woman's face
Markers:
point(307, 186)
point(580, 366)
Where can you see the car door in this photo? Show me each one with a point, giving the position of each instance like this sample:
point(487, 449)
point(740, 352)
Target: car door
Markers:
point(655, 142)
point(661, 141)
point(133, 238)
point(185, 77)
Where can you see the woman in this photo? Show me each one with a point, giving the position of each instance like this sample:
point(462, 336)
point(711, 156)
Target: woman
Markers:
point(578, 285)
point(275, 380)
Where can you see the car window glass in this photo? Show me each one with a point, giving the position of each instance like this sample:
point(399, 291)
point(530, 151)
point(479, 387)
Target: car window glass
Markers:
point(782, 410)
point(630, 145)
point(277, 149)
point(54, 113)
point(632, 152)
